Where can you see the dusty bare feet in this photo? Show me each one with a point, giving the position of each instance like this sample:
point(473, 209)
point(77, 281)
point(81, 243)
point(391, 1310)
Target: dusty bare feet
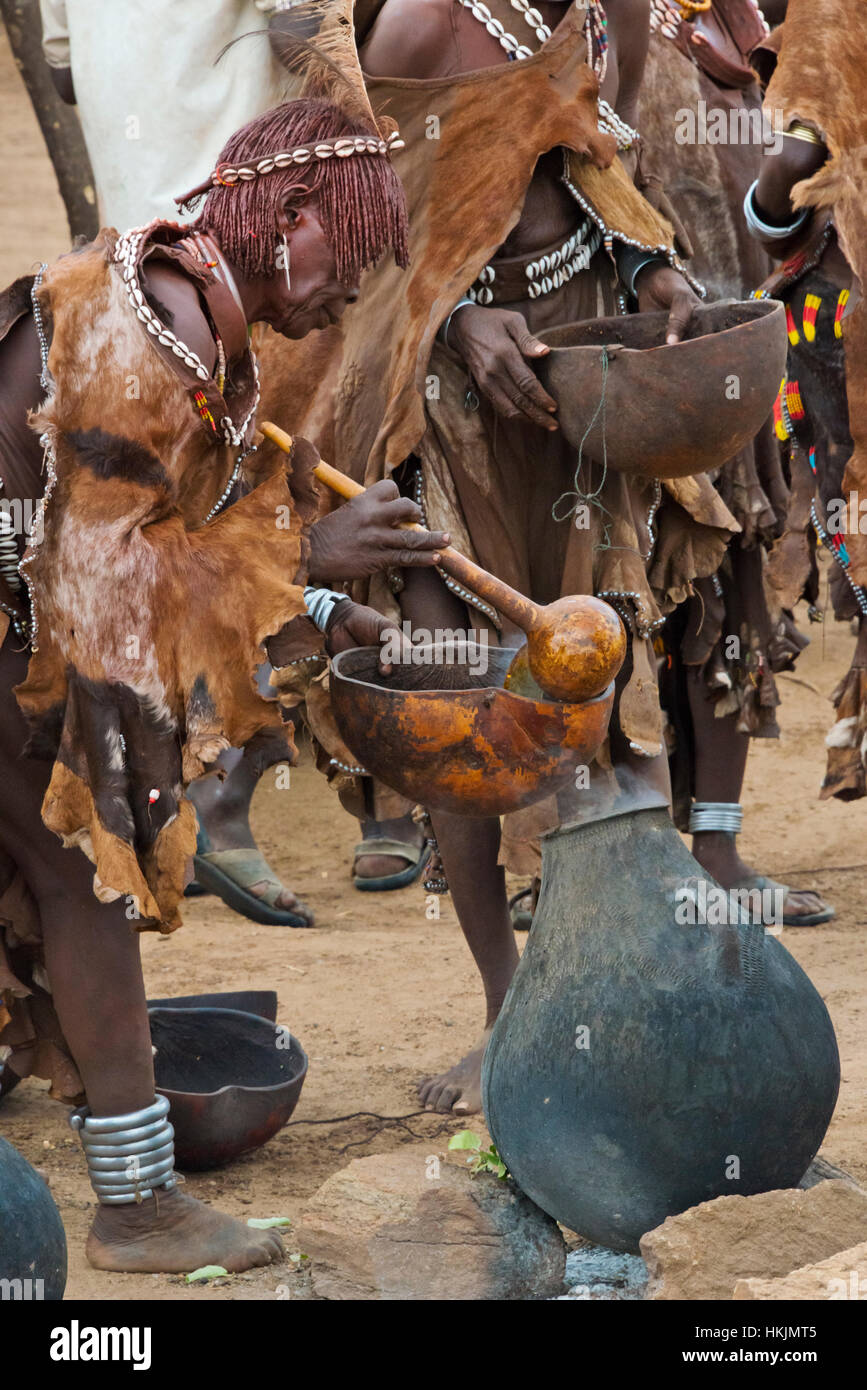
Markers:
point(175, 1234)
point(460, 1089)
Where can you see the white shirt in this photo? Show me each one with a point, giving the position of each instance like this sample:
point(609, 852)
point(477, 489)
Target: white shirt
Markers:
point(156, 105)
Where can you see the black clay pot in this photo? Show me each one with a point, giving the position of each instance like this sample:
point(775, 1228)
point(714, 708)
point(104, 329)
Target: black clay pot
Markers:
point(708, 1066)
point(32, 1240)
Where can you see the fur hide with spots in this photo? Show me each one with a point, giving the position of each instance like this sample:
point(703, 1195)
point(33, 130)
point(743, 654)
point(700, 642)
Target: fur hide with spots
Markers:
point(148, 624)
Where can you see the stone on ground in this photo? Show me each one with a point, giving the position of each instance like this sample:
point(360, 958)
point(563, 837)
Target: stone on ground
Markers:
point(843, 1276)
point(820, 1170)
point(596, 1274)
point(415, 1224)
point(703, 1252)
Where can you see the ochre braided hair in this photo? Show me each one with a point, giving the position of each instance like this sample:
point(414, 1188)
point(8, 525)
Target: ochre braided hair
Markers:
point(361, 200)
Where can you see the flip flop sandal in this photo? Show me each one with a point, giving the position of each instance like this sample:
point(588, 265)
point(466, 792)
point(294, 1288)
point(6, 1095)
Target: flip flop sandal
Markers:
point(812, 919)
point(416, 857)
point(231, 873)
point(522, 917)
point(195, 890)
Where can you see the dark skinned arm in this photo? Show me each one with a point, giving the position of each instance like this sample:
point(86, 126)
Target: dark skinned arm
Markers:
point(657, 285)
point(411, 38)
point(629, 36)
point(796, 160)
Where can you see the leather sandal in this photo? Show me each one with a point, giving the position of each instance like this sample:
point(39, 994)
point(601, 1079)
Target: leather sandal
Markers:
point(416, 857)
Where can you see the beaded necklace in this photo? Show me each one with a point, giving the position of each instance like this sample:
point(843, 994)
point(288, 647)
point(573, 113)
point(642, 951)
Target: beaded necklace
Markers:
point(596, 32)
point(127, 253)
point(666, 16)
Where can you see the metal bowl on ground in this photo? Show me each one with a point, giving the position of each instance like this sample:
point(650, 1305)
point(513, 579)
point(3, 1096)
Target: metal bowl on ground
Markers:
point(232, 1079)
point(448, 735)
point(670, 411)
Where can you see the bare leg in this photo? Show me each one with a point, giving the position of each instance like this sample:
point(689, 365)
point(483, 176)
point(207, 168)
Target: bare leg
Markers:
point(223, 808)
point(469, 852)
point(478, 887)
point(720, 763)
point(92, 960)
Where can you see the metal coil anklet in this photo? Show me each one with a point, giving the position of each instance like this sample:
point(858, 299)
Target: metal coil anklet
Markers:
point(129, 1156)
point(716, 815)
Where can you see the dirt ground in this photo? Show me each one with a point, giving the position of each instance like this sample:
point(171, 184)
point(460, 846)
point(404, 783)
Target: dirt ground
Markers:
point(378, 994)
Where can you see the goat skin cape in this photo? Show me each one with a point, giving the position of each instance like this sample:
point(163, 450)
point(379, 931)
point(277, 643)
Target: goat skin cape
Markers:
point(360, 389)
point(147, 624)
point(472, 143)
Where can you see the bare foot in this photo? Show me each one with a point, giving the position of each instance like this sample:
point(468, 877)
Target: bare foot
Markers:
point(460, 1089)
point(175, 1234)
point(285, 900)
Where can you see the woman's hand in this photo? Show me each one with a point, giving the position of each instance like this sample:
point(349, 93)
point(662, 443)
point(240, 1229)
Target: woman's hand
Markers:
point(498, 347)
point(363, 536)
point(354, 625)
point(661, 287)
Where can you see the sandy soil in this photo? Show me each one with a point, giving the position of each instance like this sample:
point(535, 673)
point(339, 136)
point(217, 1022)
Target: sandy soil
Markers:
point(378, 994)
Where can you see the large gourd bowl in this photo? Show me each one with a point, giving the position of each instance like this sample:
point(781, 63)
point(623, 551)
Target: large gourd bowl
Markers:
point(448, 735)
point(669, 410)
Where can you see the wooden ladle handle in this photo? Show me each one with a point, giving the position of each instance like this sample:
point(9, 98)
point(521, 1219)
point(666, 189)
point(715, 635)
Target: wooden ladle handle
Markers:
point(521, 610)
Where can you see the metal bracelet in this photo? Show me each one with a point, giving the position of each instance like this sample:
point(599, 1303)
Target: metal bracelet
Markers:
point(321, 604)
point(757, 227)
point(107, 1124)
point(799, 131)
point(128, 1156)
point(716, 815)
point(448, 323)
point(120, 1161)
point(630, 261)
point(134, 1140)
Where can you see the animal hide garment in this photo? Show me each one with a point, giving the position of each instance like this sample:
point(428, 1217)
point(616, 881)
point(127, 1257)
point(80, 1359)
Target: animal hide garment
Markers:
point(147, 624)
point(820, 78)
point(377, 388)
point(465, 180)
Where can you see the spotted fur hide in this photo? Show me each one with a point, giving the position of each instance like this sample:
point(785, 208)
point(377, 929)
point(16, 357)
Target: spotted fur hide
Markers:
point(148, 624)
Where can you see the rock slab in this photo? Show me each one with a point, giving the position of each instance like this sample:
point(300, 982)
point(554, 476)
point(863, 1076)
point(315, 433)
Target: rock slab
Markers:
point(416, 1225)
point(843, 1276)
point(703, 1252)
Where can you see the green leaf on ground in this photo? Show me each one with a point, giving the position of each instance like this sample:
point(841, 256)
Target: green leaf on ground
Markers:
point(206, 1272)
point(465, 1140)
